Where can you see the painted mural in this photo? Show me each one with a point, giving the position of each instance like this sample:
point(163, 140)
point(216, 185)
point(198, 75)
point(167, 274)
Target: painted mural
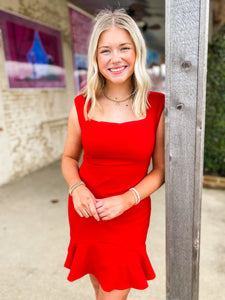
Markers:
point(33, 53)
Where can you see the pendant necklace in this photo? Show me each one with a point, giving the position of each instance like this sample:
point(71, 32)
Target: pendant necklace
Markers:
point(119, 101)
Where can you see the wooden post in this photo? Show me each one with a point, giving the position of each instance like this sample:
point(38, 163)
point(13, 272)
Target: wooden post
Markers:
point(186, 66)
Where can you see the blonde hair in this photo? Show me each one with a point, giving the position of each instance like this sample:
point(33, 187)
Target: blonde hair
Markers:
point(105, 20)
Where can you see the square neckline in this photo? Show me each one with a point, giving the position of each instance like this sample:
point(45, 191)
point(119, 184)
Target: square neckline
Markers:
point(120, 123)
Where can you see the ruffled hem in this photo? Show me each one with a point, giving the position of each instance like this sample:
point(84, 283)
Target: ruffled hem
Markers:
point(114, 267)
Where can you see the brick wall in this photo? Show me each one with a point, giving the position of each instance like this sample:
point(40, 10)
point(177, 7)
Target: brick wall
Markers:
point(33, 121)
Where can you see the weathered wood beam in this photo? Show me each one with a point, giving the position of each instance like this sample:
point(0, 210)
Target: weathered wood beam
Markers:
point(186, 64)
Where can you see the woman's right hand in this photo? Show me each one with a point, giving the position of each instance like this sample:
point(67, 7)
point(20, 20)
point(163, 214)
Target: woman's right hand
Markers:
point(84, 202)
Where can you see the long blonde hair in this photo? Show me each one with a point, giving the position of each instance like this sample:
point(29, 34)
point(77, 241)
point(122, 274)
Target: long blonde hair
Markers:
point(105, 20)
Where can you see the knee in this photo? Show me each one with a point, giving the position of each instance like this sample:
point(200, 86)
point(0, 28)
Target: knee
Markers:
point(96, 288)
point(113, 295)
point(95, 285)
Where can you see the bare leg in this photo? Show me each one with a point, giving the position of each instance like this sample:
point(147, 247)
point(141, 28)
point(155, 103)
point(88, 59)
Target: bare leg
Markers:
point(95, 284)
point(113, 295)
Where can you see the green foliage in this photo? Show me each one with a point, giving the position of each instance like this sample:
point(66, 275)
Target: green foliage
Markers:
point(214, 161)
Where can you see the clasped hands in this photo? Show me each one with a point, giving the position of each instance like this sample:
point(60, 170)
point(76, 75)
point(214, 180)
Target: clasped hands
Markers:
point(86, 205)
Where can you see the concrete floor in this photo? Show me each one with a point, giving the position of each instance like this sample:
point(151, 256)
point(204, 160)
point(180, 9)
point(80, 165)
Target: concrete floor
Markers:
point(34, 236)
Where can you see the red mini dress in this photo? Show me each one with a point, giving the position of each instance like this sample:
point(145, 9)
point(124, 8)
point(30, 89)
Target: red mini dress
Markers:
point(116, 157)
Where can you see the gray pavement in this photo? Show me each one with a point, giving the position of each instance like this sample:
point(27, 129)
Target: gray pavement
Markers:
point(34, 236)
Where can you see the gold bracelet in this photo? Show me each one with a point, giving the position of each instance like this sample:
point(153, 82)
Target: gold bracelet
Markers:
point(75, 185)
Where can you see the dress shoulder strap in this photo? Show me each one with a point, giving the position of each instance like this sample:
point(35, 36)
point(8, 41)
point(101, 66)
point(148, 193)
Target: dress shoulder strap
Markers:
point(79, 102)
point(156, 102)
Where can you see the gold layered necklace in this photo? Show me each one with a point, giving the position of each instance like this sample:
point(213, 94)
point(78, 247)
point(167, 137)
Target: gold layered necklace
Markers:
point(115, 100)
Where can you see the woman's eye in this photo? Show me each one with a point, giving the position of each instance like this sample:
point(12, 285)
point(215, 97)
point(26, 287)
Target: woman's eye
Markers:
point(125, 48)
point(105, 51)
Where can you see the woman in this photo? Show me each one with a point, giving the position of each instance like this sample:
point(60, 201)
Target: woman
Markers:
point(119, 125)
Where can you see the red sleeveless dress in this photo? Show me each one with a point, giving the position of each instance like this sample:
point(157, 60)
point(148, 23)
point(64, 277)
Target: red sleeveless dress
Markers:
point(116, 157)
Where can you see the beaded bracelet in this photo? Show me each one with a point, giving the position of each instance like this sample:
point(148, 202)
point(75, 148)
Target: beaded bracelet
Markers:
point(136, 195)
point(75, 185)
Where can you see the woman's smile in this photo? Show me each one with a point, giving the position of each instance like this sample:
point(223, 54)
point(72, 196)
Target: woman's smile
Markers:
point(117, 70)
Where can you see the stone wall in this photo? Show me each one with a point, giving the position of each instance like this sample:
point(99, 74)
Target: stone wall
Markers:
point(33, 121)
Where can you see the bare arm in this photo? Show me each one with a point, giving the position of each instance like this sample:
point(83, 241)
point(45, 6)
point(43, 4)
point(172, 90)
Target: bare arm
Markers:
point(156, 177)
point(83, 199)
point(72, 150)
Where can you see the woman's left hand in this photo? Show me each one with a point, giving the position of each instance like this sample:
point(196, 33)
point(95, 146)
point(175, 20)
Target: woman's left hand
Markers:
point(111, 207)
